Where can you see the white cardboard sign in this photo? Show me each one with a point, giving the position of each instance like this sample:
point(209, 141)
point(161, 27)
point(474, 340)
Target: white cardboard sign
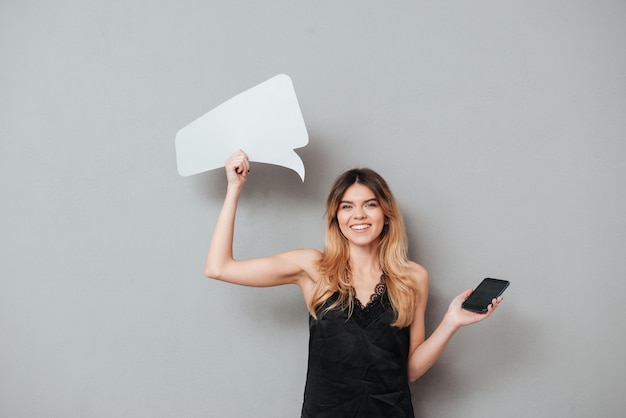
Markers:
point(264, 121)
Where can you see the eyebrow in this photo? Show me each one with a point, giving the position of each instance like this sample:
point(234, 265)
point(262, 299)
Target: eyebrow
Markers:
point(366, 201)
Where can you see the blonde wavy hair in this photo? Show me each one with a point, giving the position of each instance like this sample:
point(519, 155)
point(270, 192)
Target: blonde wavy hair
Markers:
point(334, 265)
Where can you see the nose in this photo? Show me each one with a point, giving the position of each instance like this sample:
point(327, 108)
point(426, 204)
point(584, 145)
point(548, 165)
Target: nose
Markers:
point(359, 213)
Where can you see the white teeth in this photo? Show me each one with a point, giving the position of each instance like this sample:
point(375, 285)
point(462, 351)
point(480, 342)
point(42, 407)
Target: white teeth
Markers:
point(359, 227)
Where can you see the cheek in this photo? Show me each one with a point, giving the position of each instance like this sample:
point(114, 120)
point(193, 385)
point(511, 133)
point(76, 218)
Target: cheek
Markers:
point(341, 218)
point(341, 223)
point(379, 216)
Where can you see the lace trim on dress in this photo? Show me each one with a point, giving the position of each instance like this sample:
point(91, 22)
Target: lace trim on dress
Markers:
point(365, 315)
point(379, 290)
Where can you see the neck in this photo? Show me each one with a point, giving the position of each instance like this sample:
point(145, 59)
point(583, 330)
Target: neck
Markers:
point(364, 262)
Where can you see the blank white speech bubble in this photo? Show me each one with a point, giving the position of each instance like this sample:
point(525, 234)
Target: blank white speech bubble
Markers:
point(264, 121)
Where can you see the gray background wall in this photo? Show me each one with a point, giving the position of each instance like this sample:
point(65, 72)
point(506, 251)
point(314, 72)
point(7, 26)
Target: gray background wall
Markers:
point(499, 125)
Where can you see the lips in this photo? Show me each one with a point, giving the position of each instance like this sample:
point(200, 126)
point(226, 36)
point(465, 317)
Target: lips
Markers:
point(360, 227)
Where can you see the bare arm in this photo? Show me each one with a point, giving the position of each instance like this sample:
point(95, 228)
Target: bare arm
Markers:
point(290, 267)
point(424, 354)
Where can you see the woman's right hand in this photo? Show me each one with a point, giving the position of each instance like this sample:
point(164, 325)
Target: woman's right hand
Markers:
point(237, 169)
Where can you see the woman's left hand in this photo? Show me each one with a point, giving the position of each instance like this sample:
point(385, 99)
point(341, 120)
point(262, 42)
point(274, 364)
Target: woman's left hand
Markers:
point(463, 317)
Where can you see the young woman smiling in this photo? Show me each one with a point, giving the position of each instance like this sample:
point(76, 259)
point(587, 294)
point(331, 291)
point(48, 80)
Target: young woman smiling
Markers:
point(365, 298)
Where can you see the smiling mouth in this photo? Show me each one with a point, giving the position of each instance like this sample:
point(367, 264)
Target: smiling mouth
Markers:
point(360, 227)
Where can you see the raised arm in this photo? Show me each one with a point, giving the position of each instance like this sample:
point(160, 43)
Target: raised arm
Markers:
point(296, 266)
point(425, 353)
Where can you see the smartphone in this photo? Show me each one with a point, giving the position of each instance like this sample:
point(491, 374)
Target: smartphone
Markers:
point(482, 296)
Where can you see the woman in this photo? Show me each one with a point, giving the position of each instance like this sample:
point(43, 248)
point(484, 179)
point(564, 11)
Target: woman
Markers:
point(366, 299)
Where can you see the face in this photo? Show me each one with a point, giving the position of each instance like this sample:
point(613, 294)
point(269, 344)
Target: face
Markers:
point(360, 217)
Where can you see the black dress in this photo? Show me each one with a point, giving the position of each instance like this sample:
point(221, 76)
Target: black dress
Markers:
point(358, 365)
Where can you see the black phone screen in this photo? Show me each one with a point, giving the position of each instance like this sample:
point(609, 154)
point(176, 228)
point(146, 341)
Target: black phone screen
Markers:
point(482, 296)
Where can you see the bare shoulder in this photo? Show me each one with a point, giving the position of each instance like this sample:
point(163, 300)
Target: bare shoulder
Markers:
point(420, 275)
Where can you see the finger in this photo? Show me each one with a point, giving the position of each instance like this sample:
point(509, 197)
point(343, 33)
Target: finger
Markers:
point(235, 164)
point(490, 309)
point(494, 303)
point(246, 165)
point(241, 152)
point(240, 164)
point(243, 166)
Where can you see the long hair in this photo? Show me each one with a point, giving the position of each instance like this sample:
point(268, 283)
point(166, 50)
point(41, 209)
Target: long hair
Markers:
point(334, 265)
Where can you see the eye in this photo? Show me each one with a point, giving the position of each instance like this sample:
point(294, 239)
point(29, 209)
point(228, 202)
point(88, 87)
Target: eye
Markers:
point(371, 205)
point(345, 206)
